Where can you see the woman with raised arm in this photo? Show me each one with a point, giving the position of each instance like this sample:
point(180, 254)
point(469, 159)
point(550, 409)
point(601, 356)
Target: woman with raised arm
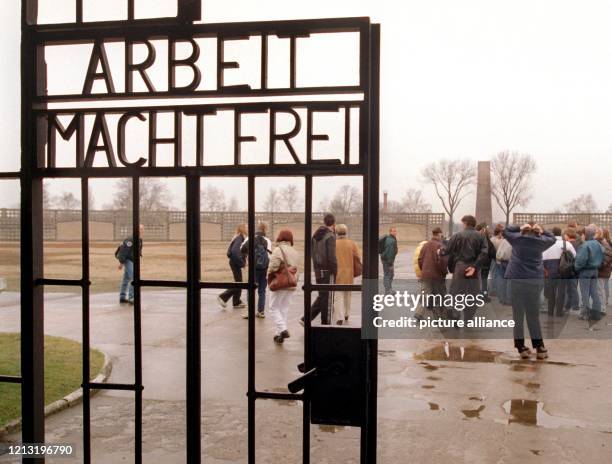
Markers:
point(526, 271)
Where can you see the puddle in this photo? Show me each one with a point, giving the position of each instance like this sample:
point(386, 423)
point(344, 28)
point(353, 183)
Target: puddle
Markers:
point(530, 412)
point(399, 408)
point(330, 428)
point(477, 398)
point(433, 377)
point(530, 386)
point(523, 367)
point(449, 352)
point(536, 452)
point(429, 367)
point(473, 413)
point(428, 387)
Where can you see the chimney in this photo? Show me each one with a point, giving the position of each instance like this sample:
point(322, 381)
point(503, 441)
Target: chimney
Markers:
point(385, 201)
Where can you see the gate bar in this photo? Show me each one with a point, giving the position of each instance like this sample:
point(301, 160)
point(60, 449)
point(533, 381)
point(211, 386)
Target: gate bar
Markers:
point(194, 349)
point(370, 227)
point(85, 319)
point(32, 295)
point(137, 322)
point(251, 321)
point(307, 322)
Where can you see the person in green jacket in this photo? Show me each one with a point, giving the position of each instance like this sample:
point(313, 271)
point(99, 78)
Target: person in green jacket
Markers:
point(387, 248)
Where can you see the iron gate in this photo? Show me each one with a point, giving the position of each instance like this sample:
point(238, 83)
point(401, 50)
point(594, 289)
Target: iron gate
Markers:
point(40, 126)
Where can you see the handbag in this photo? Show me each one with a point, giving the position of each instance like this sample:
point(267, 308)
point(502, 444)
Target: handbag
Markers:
point(285, 277)
point(357, 267)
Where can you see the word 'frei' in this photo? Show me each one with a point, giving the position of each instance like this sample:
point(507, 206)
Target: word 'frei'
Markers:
point(113, 132)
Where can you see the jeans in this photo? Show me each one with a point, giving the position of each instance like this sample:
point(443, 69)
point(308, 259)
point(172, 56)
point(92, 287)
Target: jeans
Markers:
point(321, 304)
point(504, 291)
point(261, 279)
point(437, 289)
point(554, 290)
point(233, 293)
point(590, 293)
point(604, 293)
point(493, 273)
point(526, 304)
point(484, 281)
point(388, 274)
point(498, 282)
point(126, 291)
point(572, 301)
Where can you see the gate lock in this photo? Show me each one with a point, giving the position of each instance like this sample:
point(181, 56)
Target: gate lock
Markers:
point(336, 384)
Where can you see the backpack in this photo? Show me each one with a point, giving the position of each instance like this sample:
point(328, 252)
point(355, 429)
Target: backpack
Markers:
point(607, 261)
point(566, 263)
point(262, 260)
point(381, 244)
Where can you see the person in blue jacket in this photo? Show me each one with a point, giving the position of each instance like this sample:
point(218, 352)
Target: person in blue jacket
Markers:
point(125, 254)
point(526, 271)
point(589, 258)
point(236, 262)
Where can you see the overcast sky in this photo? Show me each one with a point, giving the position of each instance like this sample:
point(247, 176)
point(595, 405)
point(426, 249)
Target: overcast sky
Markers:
point(462, 78)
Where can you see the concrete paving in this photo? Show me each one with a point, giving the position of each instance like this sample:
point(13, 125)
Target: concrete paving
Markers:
point(485, 408)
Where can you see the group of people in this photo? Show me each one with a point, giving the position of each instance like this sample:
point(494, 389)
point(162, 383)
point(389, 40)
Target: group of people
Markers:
point(335, 260)
point(571, 268)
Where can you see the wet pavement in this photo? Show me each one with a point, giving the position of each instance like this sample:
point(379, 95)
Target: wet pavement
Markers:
point(455, 401)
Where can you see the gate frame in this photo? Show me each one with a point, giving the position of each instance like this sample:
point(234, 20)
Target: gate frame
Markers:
point(31, 178)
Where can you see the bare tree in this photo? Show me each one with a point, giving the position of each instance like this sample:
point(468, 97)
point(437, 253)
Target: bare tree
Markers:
point(272, 201)
point(67, 200)
point(584, 203)
point(213, 199)
point(154, 195)
point(451, 180)
point(233, 204)
point(346, 200)
point(47, 198)
point(290, 197)
point(413, 202)
point(91, 200)
point(511, 181)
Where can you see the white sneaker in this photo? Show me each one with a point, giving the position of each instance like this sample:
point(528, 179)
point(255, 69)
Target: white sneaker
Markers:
point(222, 303)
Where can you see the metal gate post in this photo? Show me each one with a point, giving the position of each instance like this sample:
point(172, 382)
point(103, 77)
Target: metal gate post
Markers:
point(370, 240)
point(32, 291)
point(194, 361)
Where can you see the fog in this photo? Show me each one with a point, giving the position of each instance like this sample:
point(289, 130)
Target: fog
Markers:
point(458, 79)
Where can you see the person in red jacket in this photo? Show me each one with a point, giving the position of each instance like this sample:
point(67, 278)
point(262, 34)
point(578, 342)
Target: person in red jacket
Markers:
point(434, 268)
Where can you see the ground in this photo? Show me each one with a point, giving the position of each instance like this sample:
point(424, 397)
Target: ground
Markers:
point(485, 408)
point(161, 260)
point(63, 371)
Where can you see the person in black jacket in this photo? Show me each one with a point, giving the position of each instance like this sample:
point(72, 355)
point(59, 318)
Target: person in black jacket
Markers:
point(236, 261)
point(468, 253)
point(325, 266)
point(125, 255)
